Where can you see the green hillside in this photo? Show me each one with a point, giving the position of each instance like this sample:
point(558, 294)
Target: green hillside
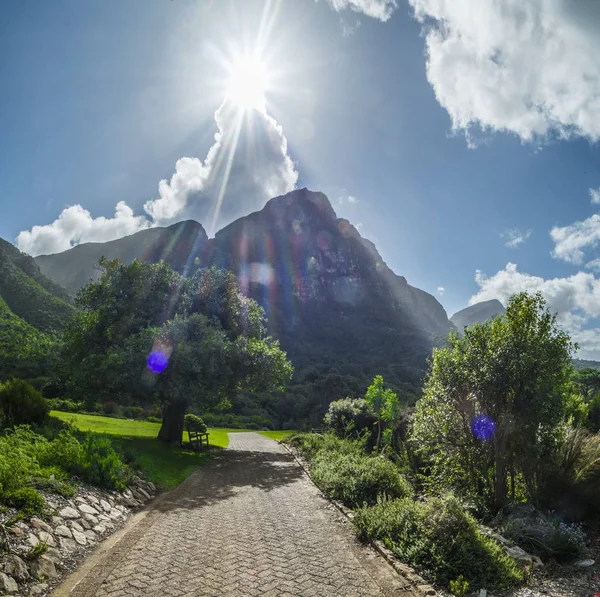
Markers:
point(33, 312)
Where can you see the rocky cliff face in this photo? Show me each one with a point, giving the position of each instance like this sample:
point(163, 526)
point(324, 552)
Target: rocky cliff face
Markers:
point(328, 295)
point(477, 313)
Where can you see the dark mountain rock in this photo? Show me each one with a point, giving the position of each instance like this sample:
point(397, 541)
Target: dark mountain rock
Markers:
point(477, 313)
point(181, 245)
point(329, 296)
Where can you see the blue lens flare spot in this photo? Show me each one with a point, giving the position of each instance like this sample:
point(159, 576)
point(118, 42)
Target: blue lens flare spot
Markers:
point(483, 428)
point(157, 361)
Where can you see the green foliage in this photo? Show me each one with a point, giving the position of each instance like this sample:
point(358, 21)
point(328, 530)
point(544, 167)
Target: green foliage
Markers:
point(349, 417)
point(21, 404)
point(194, 423)
point(26, 499)
point(439, 537)
point(459, 586)
point(516, 371)
point(384, 404)
point(356, 479)
point(39, 549)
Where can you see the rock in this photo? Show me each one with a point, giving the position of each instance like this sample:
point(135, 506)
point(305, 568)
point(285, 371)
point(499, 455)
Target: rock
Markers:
point(55, 555)
point(131, 502)
point(111, 501)
point(16, 567)
point(152, 487)
point(67, 545)
point(40, 525)
point(427, 590)
point(43, 567)
point(103, 517)
point(91, 536)
point(32, 540)
point(79, 536)
point(8, 584)
point(85, 524)
point(518, 554)
point(46, 538)
point(93, 520)
point(38, 589)
point(146, 495)
point(87, 509)
point(584, 563)
point(93, 499)
point(62, 531)
point(16, 531)
point(136, 480)
point(75, 525)
point(105, 506)
point(122, 509)
point(69, 512)
point(100, 528)
point(127, 494)
point(137, 493)
point(56, 520)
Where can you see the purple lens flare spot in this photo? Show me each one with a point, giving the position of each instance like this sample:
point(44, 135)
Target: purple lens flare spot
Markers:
point(483, 428)
point(157, 361)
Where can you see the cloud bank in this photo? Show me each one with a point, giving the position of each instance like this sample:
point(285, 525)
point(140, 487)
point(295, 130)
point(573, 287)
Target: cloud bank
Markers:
point(576, 299)
point(571, 242)
point(527, 67)
point(246, 166)
point(377, 9)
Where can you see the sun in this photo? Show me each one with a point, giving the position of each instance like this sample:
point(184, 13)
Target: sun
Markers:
point(248, 84)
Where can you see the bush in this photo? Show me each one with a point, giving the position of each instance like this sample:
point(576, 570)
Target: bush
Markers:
point(441, 538)
point(26, 499)
point(21, 403)
point(350, 417)
point(67, 406)
point(355, 479)
point(133, 412)
point(194, 423)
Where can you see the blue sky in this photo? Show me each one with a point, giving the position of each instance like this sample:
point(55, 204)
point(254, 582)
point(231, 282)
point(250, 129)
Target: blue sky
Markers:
point(442, 129)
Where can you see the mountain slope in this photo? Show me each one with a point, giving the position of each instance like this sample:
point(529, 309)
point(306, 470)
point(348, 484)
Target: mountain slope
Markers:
point(181, 245)
point(477, 313)
point(336, 307)
point(33, 311)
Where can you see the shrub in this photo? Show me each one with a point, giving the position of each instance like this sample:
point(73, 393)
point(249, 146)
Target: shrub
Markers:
point(21, 403)
point(441, 538)
point(355, 479)
point(194, 423)
point(111, 408)
point(26, 499)
point(350, 417)
point(67, 406)
point(133, 412)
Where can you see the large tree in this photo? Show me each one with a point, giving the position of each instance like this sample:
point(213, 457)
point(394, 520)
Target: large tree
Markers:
point(145, 334)
point(494, 400)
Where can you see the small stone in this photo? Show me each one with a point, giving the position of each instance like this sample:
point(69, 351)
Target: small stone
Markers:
point(152, 486)
point(69, 512)
point(56, 520)
point(46, 538)
point(584, 563)
point(144, 493)
point(62, 531)
point(32, 540)
point(16, 567)
point(38, 589)
point(79, 537)
point(85, 524)
point(93, 520)
point(91, 536)
point(55, 555)
point(16, 531)
point(103, 517)
point(100, 528)
point(75, 525)
point(105, 506)
point(43, 567)
point(127, 494)
point(67, 545)
point(136, 480)
point(8, 584)
point(427, 590)
point(41, 525)
point(111, 501)
point(122, 509)
point(138, 495)
point(93, 499)
point(87, 509)
point(115, 514)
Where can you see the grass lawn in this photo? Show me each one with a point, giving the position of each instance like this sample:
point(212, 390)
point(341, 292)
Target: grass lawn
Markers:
point(165, 465)
point(277, 435)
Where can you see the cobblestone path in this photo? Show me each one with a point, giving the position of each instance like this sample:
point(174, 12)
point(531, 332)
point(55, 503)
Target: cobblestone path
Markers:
point(249, 523)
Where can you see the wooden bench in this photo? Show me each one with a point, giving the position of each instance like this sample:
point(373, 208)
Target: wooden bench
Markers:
point(198, 440)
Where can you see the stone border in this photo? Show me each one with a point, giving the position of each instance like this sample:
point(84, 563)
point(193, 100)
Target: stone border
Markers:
point(418, 583)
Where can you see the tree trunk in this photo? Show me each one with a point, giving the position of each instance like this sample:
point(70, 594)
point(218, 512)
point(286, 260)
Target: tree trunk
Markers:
point(171, 430)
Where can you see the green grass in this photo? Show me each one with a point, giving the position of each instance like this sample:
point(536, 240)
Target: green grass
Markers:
point(278, 435)
point(165, 465)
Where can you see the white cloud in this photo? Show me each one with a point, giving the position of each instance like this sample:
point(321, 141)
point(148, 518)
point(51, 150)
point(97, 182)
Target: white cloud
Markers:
point(524, 66)
point(349, 29)
point(515, 237)
point(576, 299)
point(571, 241)
point(595, 195)
point(246, 166)
point(440, 290)
point(75, 224)
point(593, 264)
point(352, 199)
point(378, 9)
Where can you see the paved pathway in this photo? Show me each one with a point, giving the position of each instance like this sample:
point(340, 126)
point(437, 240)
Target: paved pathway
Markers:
point(249, 523)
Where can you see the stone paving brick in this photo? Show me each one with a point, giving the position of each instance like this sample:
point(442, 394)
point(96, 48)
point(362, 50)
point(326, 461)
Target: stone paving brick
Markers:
point(250, 523)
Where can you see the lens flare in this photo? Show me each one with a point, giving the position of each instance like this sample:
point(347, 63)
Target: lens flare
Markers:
point(483, 428)
point(157, 361)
